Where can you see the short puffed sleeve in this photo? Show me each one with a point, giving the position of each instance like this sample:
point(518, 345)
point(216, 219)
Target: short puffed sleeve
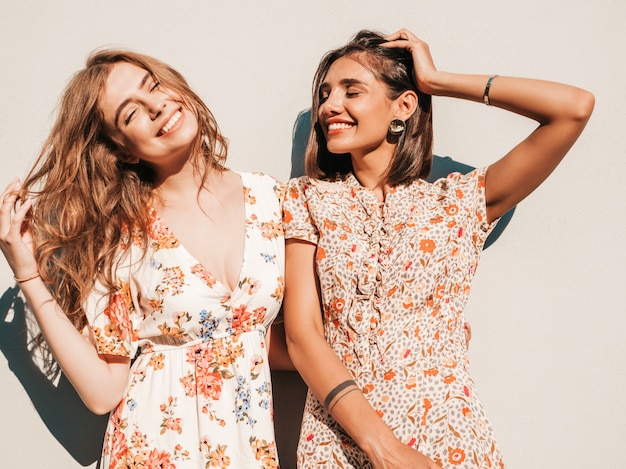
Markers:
point(468, 192)
point(113, 315)
point(296, 217)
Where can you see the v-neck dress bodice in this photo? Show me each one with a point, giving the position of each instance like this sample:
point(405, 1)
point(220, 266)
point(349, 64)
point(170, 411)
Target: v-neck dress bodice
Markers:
point(199, 393)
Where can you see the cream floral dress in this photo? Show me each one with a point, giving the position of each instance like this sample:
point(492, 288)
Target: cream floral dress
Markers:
point(394, 280)
point(199, 393)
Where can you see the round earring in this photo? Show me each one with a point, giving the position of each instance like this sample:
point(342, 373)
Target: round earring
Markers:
point(397, 127)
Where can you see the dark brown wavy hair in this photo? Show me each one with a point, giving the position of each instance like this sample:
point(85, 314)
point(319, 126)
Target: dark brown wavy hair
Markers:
point(394, 68)
point(85, 195)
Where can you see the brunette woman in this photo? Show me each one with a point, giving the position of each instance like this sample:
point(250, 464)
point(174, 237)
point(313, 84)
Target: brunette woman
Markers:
point(379, 261)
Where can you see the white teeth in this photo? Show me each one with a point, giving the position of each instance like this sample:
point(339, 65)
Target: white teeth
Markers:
point(166, 128)
point(339, 125)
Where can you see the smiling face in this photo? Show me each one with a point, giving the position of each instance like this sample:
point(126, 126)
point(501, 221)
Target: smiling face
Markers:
point(355, 110)
point(145, 119)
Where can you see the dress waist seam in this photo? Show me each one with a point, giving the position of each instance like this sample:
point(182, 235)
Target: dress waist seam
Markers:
point(150, 347)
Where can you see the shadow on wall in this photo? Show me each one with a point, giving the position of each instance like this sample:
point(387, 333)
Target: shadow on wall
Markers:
point(78, 429)
point(60, 408)
point(289, 389)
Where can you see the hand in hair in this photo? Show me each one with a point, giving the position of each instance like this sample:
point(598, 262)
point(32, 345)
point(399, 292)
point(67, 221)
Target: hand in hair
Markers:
point(16, 241)
point(423, 64)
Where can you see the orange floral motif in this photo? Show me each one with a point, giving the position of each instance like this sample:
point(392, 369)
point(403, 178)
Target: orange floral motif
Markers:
point(117, 312)
point(241, 319)
point(160, 459)
point(321, 254)
point(199, 271)
point(271, 229)
point(367, 388)
point(287, 216)
point(293, 192)
point(456, 456)
point(411, 383)
point(248, 197)
point(389, 375)
point(427, 407)
point(427, 245)
point(452, 209)
point(329, 224)
point(162, 237)
point(449, 379)
point(339, 304)
point(157, 361)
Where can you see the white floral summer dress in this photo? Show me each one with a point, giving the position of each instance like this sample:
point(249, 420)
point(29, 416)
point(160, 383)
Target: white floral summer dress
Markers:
point(199, 393)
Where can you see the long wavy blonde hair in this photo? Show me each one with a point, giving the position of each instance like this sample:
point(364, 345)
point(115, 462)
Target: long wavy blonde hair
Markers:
point(83, 192)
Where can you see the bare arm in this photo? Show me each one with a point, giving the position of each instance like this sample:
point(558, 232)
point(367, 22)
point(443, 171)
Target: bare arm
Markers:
point(322, 370)
point(561, 111)
point(277, 353)
point(99, 380)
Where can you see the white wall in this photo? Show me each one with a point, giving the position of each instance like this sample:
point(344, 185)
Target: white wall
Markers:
point(548, 306)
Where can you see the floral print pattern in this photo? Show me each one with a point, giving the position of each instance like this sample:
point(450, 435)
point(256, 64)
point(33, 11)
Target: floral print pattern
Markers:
point(394, 279)
point(199, 394)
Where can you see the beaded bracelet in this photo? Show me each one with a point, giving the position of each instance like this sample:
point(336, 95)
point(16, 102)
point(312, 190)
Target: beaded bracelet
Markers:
point(487, 88)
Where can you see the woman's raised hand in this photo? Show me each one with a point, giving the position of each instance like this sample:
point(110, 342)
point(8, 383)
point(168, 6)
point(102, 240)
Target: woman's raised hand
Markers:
point(423, 64)
point(16, 241)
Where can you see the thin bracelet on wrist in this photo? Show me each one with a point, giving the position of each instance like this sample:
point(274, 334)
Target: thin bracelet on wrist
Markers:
point(487, 88)
point(26, 279)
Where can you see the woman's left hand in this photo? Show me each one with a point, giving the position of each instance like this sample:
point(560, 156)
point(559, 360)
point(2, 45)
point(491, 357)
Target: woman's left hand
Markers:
point(423, 64)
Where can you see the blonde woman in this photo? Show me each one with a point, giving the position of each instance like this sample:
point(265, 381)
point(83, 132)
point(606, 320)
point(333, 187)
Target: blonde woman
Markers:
point(153, 270)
